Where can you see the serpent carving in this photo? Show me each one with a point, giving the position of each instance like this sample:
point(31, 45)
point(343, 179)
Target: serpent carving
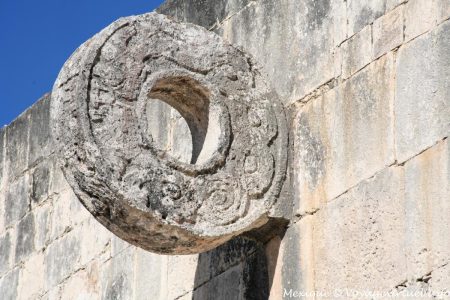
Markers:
point(139, 191)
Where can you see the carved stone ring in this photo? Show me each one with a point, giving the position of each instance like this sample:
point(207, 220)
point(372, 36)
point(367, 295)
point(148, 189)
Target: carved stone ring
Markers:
point(139, 191)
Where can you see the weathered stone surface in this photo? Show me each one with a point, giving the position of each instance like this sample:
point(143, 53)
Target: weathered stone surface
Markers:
point(427, 194)
point(211, 264)
point(297, 258)
point(388, 32)
point(42, 217)
point(67, 213)
point(2, 155)
point(32, 277)
point(344, 136)
point(362, 13)
point(39, 130)
point(206, 13)
point(5, 250)
point(181, 283)
point(25, 232)
point(357, 52)
point(117, 277)
point(8, 285)
point(296, 40)
point(391, 4)
point(151, 275)
point(140, 192)
point(62, 258)
point(225, 286)
point(422, 102)
point(440, 282)
point(423, 10)
point(84, 284)
point(40, 183)
point(358, 237)
point(16, 200)
point(16, 156)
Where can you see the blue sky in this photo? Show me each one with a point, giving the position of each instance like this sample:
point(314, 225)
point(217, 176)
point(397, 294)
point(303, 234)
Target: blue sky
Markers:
point(37, 36)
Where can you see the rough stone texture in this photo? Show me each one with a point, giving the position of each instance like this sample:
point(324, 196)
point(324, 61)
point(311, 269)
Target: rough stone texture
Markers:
point(381, 222)
point(357, 237)
point(16, 201)
point(40, 130)
point(422, 104)
point(362, 13)
point(25, 233)
point(427, 194)
point(239, 141)
point(208, 13)
point(40, 183)
point(353, 141)
point(8, 285)
point(2, 155)
point(16, 155)
point(423, 10)
point(388, 32)
point(5, 250)
point(296, 40)
point(357, 52)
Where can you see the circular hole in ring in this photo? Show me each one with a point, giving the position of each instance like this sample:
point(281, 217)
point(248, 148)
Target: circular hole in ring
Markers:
point(186, 110)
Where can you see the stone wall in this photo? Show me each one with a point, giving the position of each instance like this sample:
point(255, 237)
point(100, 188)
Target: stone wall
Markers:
point(366, 88)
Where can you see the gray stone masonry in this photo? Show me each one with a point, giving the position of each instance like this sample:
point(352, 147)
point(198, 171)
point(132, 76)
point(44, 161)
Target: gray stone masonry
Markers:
point(365, 85)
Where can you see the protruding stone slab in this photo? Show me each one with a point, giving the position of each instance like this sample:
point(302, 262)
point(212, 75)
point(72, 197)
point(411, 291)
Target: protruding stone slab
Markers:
point(110, 158)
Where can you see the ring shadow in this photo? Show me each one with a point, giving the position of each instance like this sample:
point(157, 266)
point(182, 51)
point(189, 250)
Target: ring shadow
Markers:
point(242, 268)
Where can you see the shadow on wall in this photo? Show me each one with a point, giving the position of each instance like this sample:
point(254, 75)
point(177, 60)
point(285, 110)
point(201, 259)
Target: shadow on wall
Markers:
point(239, 269)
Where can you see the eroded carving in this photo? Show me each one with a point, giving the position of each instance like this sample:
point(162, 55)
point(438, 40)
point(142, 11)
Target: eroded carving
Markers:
point(140, 192)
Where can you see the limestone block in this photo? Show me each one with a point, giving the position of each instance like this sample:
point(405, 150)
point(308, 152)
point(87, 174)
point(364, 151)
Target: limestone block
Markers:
point(440, 282)
point(58, 182)
point(2, 155)
point(53, 294)
point(42, 217)
point(62, 258)
point(357, 52)
point(16, 200)
point(25, 233)
point(118, 245)
point(358, 237)
point(137, 190)
point(32, 277)
point(344, 137)
point(6, 252)
point(388, 32)
point(391, 4)
point(85, 284)
point(40, 130)
point(181, 283)
point(96, 239)
point(211, 264)
point(296, 259)
point(206, 13)
point(362, 13)
point(420, 16)
point(296, 41)
point(151, 275)
point(67, 213)
point(422, 102)
point(247, 262)
point(16, 156)
point(116, 276)
point(40, 179)
point(8, 285)
point(225, 286)
point(427, 194)
point(443, 10)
